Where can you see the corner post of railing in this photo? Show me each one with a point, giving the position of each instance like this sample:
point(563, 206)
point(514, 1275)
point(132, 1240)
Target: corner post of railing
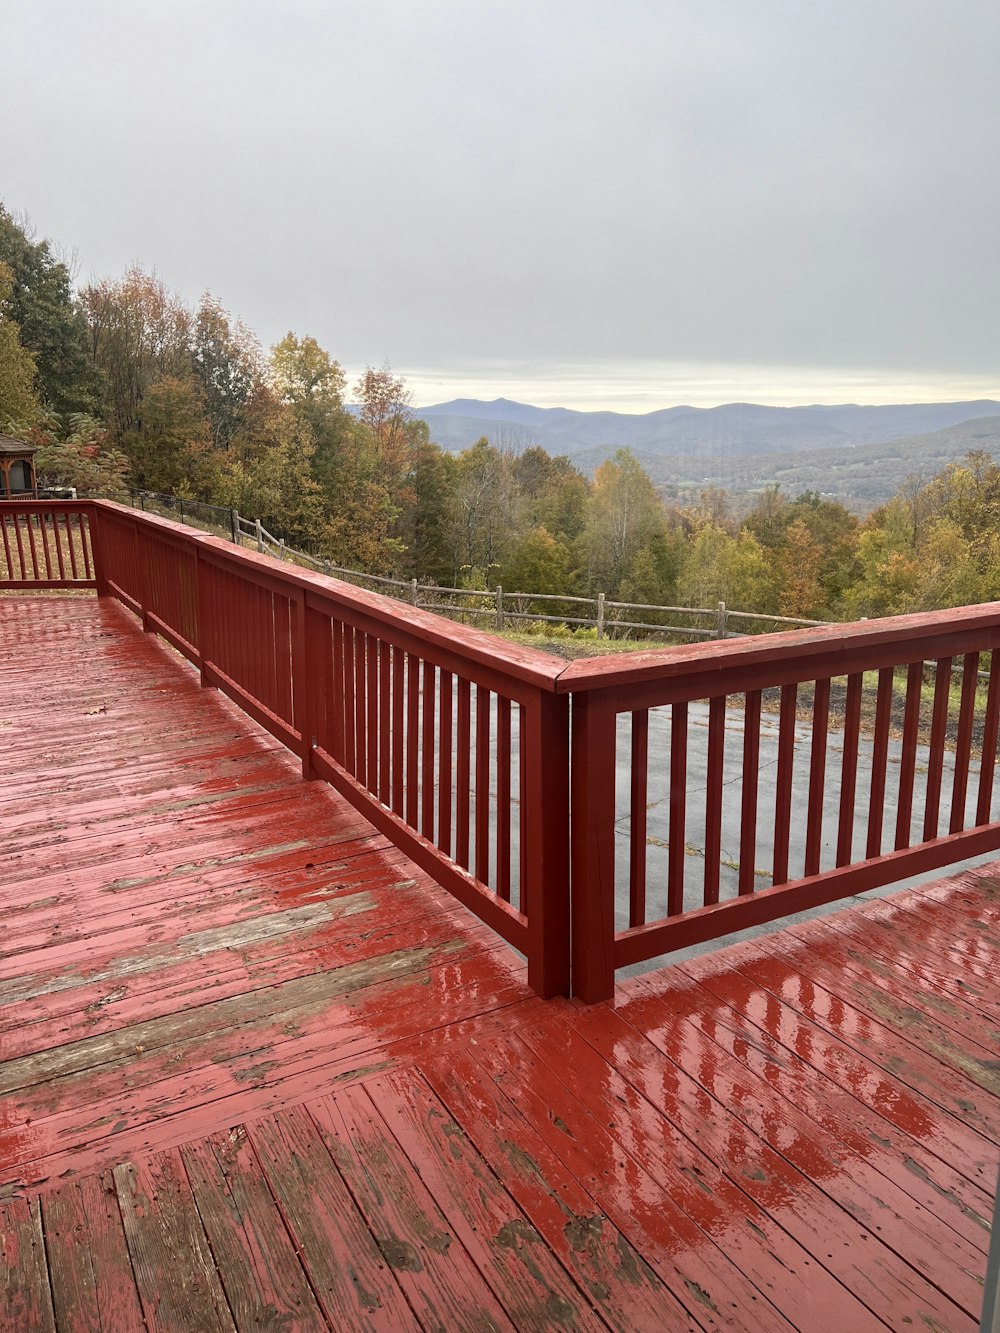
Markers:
point(592, 845)
point(545, 791)
point(202, 570)
point(145, 576)
point(306, 669)
point(94, 528)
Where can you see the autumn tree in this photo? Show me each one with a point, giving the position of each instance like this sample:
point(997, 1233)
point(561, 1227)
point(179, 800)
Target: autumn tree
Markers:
point(19, 406)
point(623, 515)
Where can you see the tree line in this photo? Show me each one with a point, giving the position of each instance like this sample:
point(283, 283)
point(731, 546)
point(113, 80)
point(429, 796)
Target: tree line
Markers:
point(120, 383)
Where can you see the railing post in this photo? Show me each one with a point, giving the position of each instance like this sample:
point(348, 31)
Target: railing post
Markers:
point(145, 581)
point(499, 608)
point(593, 847)
point(600, 615)
point(281, 552)
point(234, 526)
point(545, 791)
point(260, 535)
point(414, 591)
point(306, 666)
point(204, 644)
point(720, 621)
point(97, 551)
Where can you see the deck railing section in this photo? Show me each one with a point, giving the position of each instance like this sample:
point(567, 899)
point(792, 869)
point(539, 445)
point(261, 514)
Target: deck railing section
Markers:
point(714, 786)
point(45, 546)
point(847, 761)
point(436, 732)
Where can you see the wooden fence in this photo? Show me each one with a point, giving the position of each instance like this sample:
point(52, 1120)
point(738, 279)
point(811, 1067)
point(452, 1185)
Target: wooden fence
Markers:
point(468, 751)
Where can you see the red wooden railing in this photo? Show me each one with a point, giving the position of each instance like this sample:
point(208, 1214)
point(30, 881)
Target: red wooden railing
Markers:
point(821, 808)
point(456, 745)
point(438, 733)
point(45, 546)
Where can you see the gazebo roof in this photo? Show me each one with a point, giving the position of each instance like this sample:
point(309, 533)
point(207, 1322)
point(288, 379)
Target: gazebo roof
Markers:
point(8, 445)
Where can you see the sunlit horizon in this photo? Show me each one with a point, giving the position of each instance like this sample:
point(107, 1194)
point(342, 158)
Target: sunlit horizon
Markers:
point(641, 387)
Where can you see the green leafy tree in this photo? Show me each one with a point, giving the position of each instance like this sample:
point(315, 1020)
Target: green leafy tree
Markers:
point(623, 515)
point(52, 326)
point(19, 406)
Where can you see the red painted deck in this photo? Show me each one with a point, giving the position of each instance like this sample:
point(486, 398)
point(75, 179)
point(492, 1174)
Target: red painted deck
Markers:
point(257, 1071)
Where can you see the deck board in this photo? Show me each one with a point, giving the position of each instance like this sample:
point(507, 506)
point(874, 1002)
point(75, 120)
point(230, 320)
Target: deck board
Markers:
point(257, 1071)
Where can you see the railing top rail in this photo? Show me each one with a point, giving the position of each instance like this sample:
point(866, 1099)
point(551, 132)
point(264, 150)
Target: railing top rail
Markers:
point(829, 650)
point(524, 664)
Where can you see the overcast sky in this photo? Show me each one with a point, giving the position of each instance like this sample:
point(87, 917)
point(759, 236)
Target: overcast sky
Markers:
point(605, 203)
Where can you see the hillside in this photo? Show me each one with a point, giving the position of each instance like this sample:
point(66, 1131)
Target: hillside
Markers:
point(860, 477)
point(732, 430)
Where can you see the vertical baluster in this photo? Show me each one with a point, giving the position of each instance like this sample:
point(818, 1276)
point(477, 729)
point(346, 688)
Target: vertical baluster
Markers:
point(445, 764)
point(908, 753)
point(817, 776)
point(935, 762)
point(427, 751)
point(20, 546)
point(43, 541)
point(398, 697)
point(849, 769)
point(715, 777)
point(372, 712)
point(880, 759)
point(678, 808)
point(85, 544)
point(783, 782)
point(57, 545)
point(963, 742)
point(384, 723)
point(350, 705)
point(71, 548)
point(412, 739)
point(8, 556)
point(991, 727)
point(463, 786)
point(482, 784)
point(360, 707)
point(637, 818)
point(33, 548)
point(503, 797)
point(338, 750)
point(751, 779)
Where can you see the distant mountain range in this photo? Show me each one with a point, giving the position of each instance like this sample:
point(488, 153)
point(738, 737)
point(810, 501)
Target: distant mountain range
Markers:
point(733, 429)
point(859, 455)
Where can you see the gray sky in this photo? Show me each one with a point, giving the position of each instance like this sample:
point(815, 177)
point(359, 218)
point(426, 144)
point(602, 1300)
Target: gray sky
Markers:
point(613, 204)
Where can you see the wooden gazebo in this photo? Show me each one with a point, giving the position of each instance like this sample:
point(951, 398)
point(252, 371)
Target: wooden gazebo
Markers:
point(18, 480)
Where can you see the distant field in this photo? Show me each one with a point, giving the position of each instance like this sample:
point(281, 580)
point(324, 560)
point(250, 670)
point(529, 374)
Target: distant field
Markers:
point(861, 478)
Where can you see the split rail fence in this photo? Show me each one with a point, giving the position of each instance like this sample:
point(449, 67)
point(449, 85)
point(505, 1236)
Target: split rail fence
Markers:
point(531, 788)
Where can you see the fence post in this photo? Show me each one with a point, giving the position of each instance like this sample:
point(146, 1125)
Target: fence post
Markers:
point(260, 535)
point(414, 591)
point(592, 846)
point(142, 501)
point(281, 552)
point(180, 504)
point(499, 608)
point(234, 526)
point(600, 615)
point(720, 621)
point(545, 794)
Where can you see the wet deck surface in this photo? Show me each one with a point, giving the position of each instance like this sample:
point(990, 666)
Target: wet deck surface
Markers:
point(258, 1072)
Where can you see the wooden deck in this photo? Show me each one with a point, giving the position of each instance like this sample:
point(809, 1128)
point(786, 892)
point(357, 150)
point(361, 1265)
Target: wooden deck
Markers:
point(258, 1072)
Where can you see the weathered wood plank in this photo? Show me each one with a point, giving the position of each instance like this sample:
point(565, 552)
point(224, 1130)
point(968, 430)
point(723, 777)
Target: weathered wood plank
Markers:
point(93, 1287)
point(174, 1271)
point(266, 1285)
point(353, 1282)
point(25, 1297)
point(441, 1284)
